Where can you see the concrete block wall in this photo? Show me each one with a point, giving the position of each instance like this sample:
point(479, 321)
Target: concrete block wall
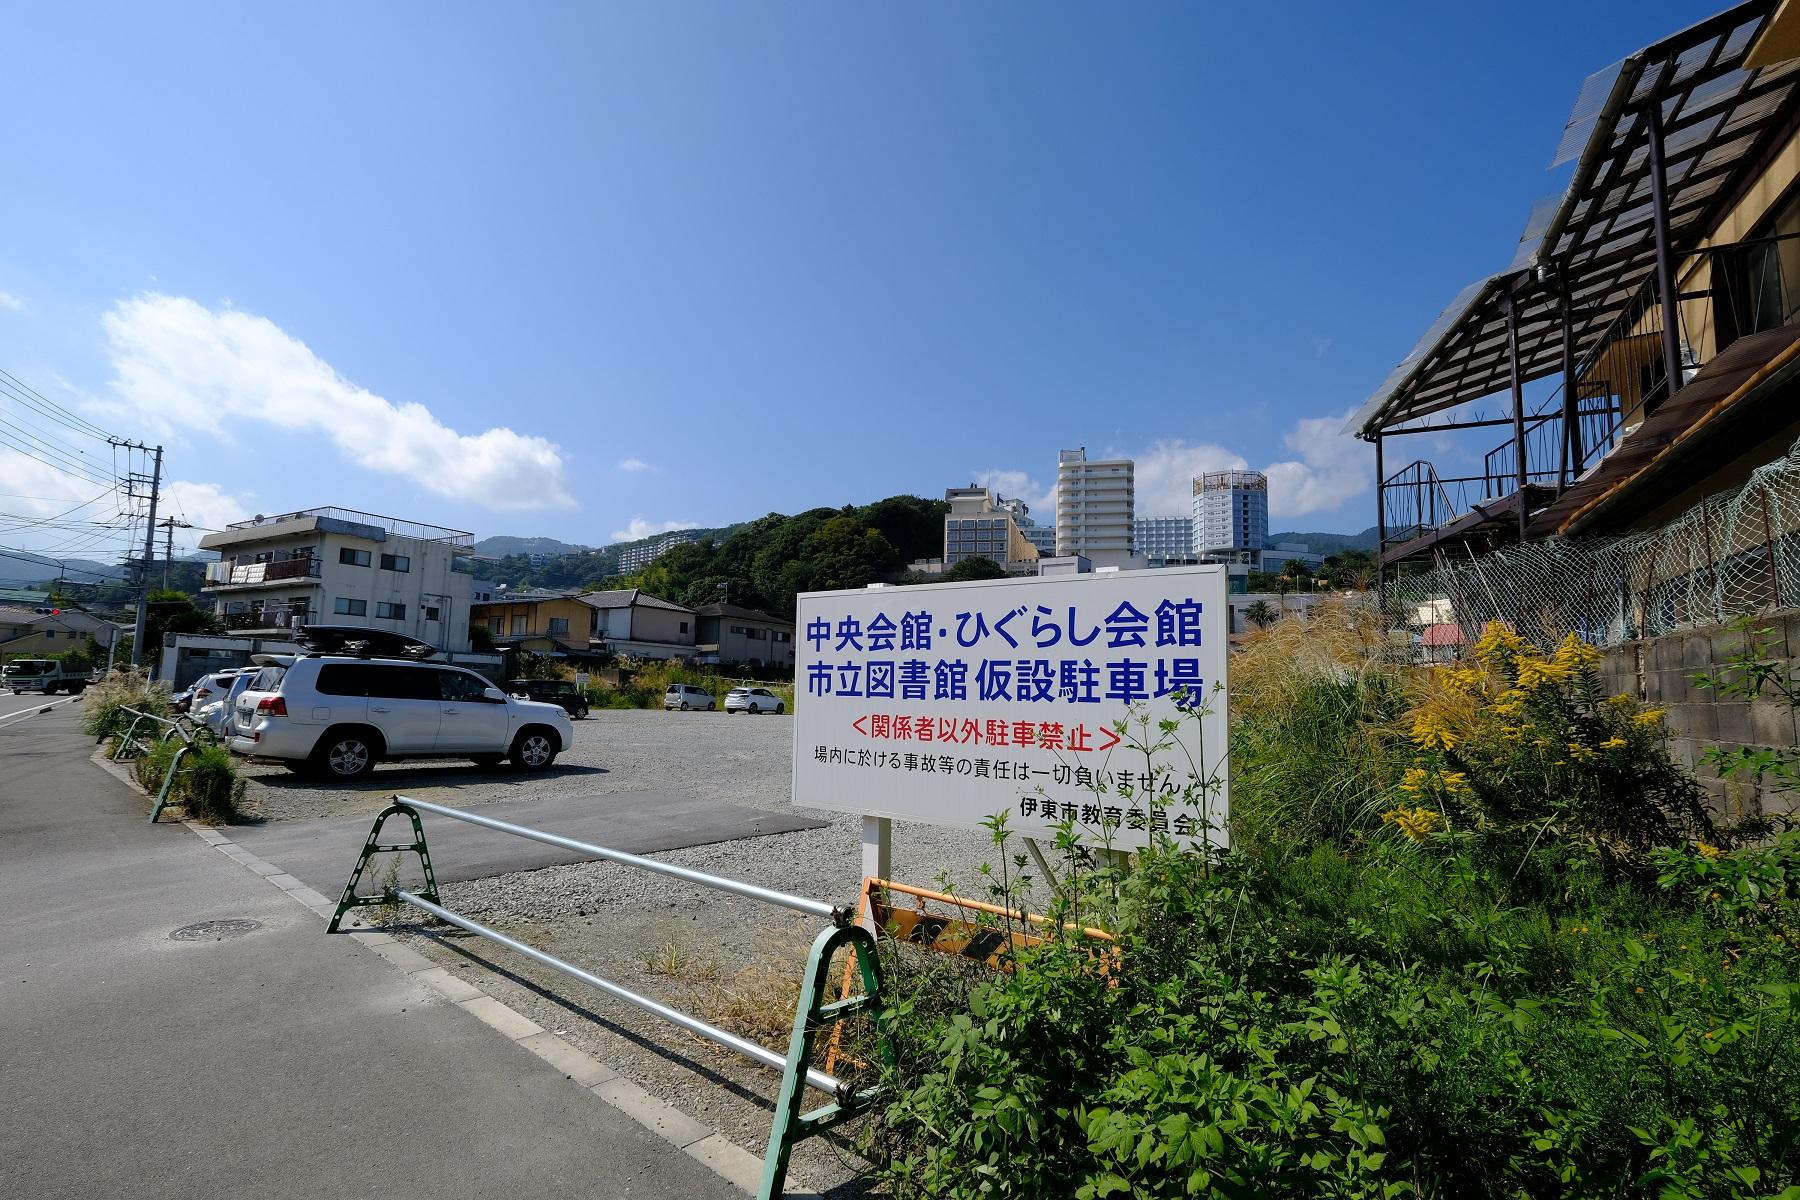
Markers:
point(1662, 673)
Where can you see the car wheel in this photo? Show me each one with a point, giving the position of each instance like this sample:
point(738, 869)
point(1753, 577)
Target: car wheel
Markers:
point(684, 706)
point(712, 706)
point(780, 708)
point(534, 749)
point(345, 755)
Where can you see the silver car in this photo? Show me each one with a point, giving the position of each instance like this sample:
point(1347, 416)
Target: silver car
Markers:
point(340, 715)
point(753, 700)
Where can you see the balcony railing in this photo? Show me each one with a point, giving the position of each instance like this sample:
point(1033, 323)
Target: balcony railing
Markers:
point(1724, 293)
point(227, 574)
point(248, 615)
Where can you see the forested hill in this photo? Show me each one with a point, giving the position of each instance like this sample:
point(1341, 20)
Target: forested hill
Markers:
point(763, 563)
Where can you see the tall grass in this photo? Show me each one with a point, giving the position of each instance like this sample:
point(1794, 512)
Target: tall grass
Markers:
point(1317, 739)
point(101, 702)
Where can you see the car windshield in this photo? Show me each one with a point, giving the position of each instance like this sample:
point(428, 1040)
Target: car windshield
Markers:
point(29, 666)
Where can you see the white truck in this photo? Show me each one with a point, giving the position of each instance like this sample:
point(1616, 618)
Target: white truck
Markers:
point(44, 675)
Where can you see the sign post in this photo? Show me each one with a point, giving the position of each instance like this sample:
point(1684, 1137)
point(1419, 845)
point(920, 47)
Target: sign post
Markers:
point(1095, 701)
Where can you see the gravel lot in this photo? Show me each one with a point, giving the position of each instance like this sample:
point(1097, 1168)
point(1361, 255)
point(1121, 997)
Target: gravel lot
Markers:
point(730, 960)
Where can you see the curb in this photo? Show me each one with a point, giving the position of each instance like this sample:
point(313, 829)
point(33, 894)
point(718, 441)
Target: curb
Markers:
point(712, 1149)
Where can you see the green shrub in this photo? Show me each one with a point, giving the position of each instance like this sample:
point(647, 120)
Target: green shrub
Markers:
point(1348, 1005)
point(209, 786)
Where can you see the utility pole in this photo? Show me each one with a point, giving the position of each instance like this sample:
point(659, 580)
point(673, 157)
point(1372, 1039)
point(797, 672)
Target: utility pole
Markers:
point(143, 604)
point(170, 525)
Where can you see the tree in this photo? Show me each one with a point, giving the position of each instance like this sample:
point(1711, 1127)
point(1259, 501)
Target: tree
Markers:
point(1261, 615)
point(175, 612)
point(1352, 570)
point(974, 567)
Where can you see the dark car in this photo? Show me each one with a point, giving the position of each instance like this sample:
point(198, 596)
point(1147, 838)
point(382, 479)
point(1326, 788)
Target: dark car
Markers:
point(559, 692)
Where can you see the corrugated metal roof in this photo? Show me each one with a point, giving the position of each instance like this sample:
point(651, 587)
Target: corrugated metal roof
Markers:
point(1718, 118)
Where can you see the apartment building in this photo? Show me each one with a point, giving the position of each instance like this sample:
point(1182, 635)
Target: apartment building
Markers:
point(730, 633)
point(981, 524)
point(633, 559)
point(1161, 539)
point(338, 566)
point(543, 622)
point(1231, 515)
point(1096, 502)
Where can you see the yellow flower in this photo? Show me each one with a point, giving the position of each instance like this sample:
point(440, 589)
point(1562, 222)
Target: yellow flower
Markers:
point(1509, 702)
point(1536, 672)
point(1575, 654)
point(1496, 644)
point(1465, 681)
point(1706, 850)
point(1417, 824)
point(1416, 782)
point(1614, 743)
point(1650, 716)
point(1455, 783)
point(1581, 753)
point(1431, 733)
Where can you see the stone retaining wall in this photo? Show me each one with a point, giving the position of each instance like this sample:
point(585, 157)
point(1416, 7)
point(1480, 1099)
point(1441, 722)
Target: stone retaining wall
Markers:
point(1661, 672)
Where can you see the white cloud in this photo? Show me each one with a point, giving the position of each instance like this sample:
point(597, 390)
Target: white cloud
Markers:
point(1040, 499)
point(640, 528)
point(187, 366)
point(1332, 467)
point(32, 488)
point(1165, 475)
point(205, 506)
point(11, 302)
point(634, 464)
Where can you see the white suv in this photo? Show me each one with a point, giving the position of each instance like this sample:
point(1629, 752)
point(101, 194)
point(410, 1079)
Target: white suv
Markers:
point(339, 716)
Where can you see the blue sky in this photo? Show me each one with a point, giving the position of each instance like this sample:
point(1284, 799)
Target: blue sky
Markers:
point(559, 269)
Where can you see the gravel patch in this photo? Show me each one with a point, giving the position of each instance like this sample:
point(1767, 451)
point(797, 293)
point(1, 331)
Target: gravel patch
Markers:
point(689, 946)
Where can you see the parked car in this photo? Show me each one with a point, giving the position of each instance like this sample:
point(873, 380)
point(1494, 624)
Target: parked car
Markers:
point(208, 690)
point(338, 715)
point(753, 700)
point(685, 696)
point(44, 675)
point(215, 695)
point(559, 692)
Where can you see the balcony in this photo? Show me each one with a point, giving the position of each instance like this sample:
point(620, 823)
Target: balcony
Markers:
point(252, 615)
point(1737, 306)
point(225, 575)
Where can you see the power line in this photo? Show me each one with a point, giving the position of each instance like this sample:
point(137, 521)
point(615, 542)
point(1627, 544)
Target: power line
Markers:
point(32, 446)
point(57, 412)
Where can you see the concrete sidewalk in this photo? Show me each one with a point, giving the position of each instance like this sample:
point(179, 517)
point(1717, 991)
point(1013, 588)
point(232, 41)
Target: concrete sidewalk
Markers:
point(275, 1063)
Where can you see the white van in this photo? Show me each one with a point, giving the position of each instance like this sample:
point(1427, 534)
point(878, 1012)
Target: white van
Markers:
point(685, 696)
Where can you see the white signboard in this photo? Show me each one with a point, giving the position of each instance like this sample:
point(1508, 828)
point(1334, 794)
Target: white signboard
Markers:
point(949, 703)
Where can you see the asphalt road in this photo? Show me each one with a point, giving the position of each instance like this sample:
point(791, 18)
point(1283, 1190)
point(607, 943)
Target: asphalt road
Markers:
point(10, 704)
point(281, 1063)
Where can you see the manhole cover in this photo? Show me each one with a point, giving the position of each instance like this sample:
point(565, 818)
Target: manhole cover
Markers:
point(214, 931)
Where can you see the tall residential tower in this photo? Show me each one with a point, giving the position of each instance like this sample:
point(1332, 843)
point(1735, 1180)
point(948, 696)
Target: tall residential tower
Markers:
point(1095, 503)
point(1231, 515)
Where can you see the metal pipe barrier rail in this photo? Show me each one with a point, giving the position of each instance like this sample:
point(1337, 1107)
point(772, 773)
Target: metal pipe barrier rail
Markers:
point(812, 1015)
point(130, 746)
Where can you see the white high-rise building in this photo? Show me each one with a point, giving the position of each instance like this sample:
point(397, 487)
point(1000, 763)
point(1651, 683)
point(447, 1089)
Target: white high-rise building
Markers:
point(1096, 503)
point(1162, 538)
point(1231, 515)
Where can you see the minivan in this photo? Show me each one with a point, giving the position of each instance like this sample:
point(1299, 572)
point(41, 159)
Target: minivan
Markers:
point(685, 696)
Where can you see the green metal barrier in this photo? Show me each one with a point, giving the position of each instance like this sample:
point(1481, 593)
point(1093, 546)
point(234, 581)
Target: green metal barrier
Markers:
point(814, 1015)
